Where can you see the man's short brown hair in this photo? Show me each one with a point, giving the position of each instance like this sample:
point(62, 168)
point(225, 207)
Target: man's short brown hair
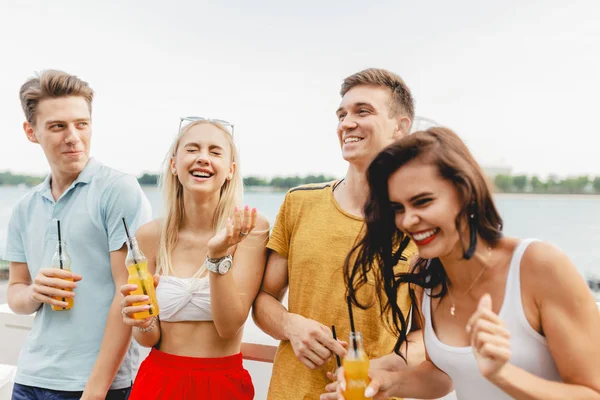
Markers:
point(401, 99)
point(51, 84)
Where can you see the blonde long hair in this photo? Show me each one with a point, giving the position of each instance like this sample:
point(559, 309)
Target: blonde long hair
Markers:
point(172, 191)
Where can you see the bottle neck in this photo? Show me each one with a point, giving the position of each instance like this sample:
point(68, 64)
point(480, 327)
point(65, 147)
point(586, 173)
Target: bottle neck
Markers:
point(61, 257)
point(132, 244)
point(356, 342)
point(134, 254)
point(61, 249)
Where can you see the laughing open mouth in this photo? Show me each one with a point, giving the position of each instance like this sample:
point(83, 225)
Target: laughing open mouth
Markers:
point(352, 139)
point(201, 174)
point(424, 237)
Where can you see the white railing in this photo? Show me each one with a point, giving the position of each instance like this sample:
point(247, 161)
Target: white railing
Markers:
point(258, 352)
point(258, 357)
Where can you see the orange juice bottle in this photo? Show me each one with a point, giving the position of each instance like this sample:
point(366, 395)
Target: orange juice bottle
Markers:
point(356, 369)
point(62, 260)
point(137, 265)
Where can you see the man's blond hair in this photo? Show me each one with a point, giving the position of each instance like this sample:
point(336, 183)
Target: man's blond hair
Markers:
point(401, 99)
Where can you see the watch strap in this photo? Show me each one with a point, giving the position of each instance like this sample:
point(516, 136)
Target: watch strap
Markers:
point(212, 264)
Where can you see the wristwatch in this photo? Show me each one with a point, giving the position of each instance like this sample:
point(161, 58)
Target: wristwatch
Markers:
point(219, 265)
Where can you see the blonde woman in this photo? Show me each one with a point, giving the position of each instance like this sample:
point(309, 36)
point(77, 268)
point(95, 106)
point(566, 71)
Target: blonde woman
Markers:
point(209, 256)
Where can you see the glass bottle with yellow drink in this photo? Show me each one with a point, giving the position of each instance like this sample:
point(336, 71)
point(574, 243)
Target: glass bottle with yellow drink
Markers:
point(62, 260)
point(356, 369)
point(137, 265)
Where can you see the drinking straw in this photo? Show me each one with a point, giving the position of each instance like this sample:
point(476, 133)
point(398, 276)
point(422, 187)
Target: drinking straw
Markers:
point(129, 240)
point(337, 358)
point(352, 324)
point(60, 260)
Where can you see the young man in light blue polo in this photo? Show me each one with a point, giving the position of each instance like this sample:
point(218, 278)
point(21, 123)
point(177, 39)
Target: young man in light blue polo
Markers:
point(85, 352)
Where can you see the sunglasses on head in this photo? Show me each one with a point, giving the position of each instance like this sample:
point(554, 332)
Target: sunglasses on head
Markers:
point(228, 125)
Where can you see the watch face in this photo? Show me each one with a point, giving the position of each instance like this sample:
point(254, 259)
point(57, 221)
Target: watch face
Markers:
point(224, 266)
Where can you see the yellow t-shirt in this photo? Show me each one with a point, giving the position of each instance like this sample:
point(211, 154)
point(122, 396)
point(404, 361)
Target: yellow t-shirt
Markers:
point(315, 235)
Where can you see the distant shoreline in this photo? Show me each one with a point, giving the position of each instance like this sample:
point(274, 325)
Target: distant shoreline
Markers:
point(269, 189)
point(275, 189)
point(558, 195)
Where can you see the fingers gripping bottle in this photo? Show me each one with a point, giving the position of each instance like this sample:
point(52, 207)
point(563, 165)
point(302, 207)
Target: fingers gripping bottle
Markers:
point(62, 260)
point(356, 369)
point(137, 265)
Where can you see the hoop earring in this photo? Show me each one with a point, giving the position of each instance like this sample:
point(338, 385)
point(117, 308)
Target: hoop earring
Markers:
point(472, 237)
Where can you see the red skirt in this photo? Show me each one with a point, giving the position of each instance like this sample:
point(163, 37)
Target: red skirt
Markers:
point(167, 376)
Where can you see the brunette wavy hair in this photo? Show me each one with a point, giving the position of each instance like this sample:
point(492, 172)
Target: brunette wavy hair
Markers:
point(381, 245)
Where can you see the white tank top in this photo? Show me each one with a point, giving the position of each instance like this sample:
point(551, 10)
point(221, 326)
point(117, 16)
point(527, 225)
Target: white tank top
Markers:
point(184, 299)
point(529, 349)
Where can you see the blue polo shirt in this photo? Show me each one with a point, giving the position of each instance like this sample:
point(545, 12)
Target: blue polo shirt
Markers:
point(62, 347)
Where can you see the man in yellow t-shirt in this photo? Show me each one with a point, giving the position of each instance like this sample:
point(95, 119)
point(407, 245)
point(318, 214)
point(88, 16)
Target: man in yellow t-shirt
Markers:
point(315, 229)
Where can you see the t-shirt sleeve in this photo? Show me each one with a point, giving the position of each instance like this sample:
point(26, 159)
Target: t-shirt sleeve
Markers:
point(15, 250)
point(124, 198)
point(279, 240)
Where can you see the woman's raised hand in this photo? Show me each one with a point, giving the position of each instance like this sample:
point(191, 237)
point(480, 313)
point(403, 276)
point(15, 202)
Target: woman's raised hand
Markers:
point(236, 229)
point(489, 338)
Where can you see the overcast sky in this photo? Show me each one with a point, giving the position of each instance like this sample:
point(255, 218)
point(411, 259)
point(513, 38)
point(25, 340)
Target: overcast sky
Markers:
point(518, 80)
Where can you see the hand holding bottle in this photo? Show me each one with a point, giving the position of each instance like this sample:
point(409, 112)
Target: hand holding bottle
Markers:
point(139, 276)
point(133, 304)
point(380, 387)
point(51, 285)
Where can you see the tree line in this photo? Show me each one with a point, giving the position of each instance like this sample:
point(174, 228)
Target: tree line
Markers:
point(279, 182)
point(503, 183)
point(552, 185)
point(7, 178)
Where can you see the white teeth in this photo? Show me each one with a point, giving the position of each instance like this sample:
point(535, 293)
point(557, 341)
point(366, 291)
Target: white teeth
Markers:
point(201, 174)
point(352, 139)
point(424, 235)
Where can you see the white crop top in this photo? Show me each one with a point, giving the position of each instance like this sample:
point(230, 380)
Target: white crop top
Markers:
point(184, 299)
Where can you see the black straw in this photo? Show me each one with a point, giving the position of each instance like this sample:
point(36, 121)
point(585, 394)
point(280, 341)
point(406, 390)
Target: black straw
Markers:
point(352, 323)
point(337, 358)
point(60, 260)
point(129, 240)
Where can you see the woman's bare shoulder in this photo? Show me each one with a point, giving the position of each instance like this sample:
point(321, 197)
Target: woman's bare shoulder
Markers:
point(149, 234)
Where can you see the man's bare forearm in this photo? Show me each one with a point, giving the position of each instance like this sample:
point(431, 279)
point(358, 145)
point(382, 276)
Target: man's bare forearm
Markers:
point(270, 315)
point(19, 299)
point(117, 337)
